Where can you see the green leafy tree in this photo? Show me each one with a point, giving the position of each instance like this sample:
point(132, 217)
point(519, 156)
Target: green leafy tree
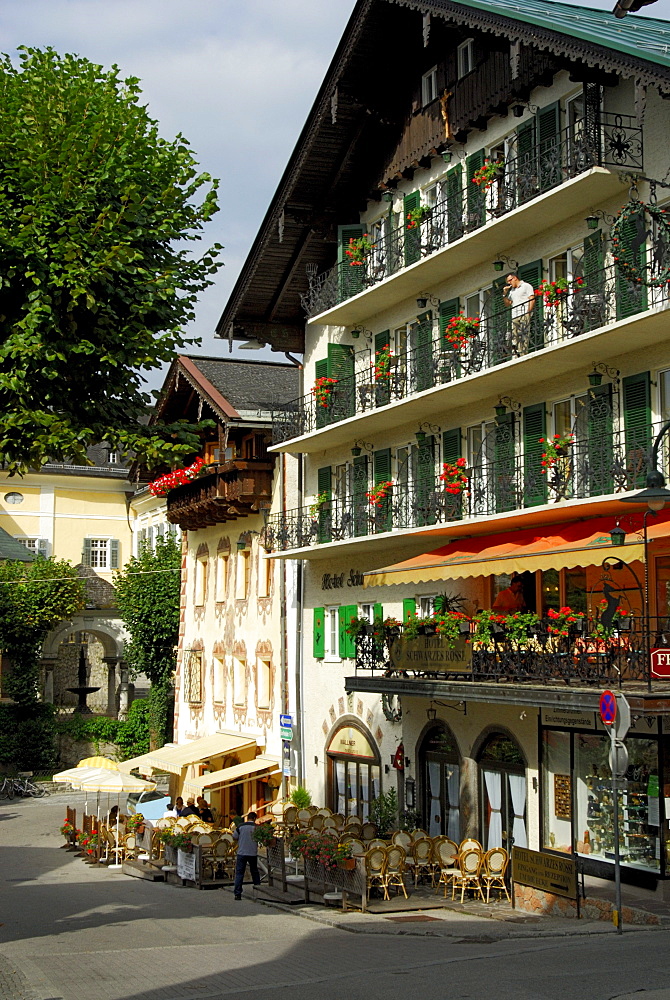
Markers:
point(148, 593)
point(97, 278)
point(34, 598)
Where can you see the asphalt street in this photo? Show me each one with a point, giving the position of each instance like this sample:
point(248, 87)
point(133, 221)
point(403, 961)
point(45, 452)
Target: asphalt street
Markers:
point(79, 933)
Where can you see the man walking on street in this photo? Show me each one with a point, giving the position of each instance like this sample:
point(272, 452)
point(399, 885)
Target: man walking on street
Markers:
point(247, 852)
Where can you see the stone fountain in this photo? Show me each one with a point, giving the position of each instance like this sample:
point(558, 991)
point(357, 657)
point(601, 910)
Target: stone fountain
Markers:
point(82, 691)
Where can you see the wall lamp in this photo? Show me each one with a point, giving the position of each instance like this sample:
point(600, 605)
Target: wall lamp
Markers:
point(423, 300)
point(358, 446)
point(502, 260)
point(594, 218)
point(600, 369)
point(460, 706)
point(358, 330)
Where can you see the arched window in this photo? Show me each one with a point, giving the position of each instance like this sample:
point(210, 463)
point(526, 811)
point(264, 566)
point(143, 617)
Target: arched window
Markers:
point(354, 773)
point(502, 771)
point(441, 776)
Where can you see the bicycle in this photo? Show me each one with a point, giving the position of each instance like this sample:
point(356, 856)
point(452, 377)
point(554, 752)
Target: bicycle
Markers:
point(28, 789)
point(7, 790)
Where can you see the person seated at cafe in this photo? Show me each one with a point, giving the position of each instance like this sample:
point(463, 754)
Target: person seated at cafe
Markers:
point(170, 810)
point(189, 809)
point(510, 599)
point(206, 814)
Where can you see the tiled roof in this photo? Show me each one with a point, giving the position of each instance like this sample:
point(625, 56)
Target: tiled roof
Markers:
point(250, 385)
point(10, 548)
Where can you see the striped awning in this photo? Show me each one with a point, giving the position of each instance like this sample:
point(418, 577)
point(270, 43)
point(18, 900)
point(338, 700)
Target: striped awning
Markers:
point(176, 757)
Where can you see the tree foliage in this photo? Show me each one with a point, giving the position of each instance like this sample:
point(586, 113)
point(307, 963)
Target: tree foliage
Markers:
point(96, 279)
point(34, 598)
point(148, 599)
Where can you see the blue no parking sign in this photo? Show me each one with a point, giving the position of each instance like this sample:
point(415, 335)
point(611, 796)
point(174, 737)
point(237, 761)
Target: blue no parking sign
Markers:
point(608, 707)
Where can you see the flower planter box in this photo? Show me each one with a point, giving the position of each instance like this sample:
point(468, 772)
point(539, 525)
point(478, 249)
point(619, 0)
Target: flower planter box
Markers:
point(347, 864)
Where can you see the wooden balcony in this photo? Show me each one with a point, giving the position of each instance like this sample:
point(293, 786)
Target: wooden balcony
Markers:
point(234, 489)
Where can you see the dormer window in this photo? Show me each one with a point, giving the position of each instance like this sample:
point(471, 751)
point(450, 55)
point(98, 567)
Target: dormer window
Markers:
point(429, 86)
point(465, 58)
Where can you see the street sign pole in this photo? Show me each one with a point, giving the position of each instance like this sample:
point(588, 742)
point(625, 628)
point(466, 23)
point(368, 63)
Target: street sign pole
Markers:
point(617, 853)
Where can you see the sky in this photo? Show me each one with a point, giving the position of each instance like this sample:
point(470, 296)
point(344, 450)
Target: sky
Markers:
point(237, 79)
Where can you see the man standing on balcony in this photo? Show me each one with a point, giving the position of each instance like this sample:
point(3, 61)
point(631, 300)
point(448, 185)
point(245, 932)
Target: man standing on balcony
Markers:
point(520, 295)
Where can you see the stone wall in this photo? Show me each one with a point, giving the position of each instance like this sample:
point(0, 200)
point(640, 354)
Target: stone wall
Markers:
point(70, 751)
point(540, 902)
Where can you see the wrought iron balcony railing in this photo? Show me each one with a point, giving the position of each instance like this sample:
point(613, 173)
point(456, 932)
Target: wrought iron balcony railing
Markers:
point(231, 490)
point(603, 296)
point(581, 657)
point(528, 171)
point(504, 477)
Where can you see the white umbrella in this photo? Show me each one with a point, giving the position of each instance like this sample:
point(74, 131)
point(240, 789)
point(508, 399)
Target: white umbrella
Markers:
point(76, 776)
point(115, 781)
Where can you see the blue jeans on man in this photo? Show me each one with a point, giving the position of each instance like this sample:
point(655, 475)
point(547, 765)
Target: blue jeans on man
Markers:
point(240, 868)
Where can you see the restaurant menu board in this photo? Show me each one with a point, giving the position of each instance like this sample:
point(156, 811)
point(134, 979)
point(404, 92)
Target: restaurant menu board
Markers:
point(562, 796)
point(186, 865)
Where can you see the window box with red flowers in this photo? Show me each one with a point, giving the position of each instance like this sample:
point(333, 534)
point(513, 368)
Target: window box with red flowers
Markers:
point(555, 292)
point(461, 330)
point(383, 362)
point(555, 447)
point(179, 477)
point(487, 174)
point(358, 250)
point(415, 216)
point(380, 493)
point(322, 390)
point(564, 621)
point(454, 477)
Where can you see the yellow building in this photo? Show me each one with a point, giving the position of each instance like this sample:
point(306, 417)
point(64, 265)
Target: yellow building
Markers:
point(79, 513)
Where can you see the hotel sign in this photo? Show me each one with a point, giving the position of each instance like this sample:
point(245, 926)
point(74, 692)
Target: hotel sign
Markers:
point(431, 652)
point(557, 875)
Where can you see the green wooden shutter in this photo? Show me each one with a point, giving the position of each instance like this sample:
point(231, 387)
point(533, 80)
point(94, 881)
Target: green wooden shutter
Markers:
point(378, 613)
point(448, 310)
point(322, 413)
point(408, 608)
point(600, 443)
point(424, 480)
point(589, 303)
point(631, 299)
point(505, 464)
point(449, 363)
point(342, 622)
point(532, 273)
point(377, 619)
point(325, 515)
point(454, 208)
point(526, 173)
point(86, 554)
point(350, 275)
point(383, 386)
point(114, 553)
point(412, 236)
point(319, 633)
point(360, 498)
point(475, 195)
point(637, 427)
point(381, 473)
point(499, 326)
point(422, 352)
point(351, 611)
point(534, 428)
point(451, 452)
point(341, 367)
point(549, 146)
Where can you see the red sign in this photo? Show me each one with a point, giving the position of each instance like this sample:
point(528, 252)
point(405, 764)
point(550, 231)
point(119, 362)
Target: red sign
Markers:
point(660, 662)
point(608, 707)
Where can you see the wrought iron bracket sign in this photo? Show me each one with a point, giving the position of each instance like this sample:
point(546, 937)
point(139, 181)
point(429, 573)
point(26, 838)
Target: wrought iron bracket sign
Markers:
point(431, 653)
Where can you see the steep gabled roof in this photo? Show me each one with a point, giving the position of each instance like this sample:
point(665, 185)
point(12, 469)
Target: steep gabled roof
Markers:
point(357, 119)
point(11, 549)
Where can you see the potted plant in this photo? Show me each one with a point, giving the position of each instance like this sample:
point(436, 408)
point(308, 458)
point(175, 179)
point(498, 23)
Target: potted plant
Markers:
point(175, 839)
point(454, 477)
point(554, 292)
point(89, 842)
point(555, 447)
point(358, 250)
point(301, 798)
point(415, 216)
point(264, 834)
point(358, 626)
point(488, 173)
point(452, 625)
point(384, 812)
point(320, 501)
point(520, 627)
point(391, 627)
point(345, 859)
point(322, 390)
point(379, 493)
point(135, 824)
point(620, 622)
point(561, 621)
point(383, 360)
point(69, 830)
point(489, 627)
point(461, 330)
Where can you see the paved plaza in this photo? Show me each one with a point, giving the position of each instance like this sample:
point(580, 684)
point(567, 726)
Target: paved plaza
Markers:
point(75, 932)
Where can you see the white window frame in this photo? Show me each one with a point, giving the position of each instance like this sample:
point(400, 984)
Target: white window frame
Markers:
point(193, 677)
point(239, 682)
point(429, 87)
point(263, 683)
point(101, 545)
point(425, 605)
point(331, 633)
point(465, 58)
point(38, 546)
point(200, 594)
point(222, 570)
point(219, 680)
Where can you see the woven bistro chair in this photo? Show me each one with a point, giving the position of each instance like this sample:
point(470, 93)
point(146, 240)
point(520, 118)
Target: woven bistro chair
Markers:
point(375, 866)
point(418, 834)
point(329, 823)
point(354, 826)
point(304, 816)
point(395, 869)
point(368, 831)
point(402, 839)
point(290, 817)
point(470, 844)
point(445, 852)
point(494, 868)
point(470, 866)
point(324, 811)
point(422, 856)
point(358, 848)
point(339, 821)
point(316, 822)
point(130, 846)
point(377, 842)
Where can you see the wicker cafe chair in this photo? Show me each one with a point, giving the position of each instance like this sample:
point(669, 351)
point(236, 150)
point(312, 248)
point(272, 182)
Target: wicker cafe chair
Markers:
point(353, 825)
point(470, 844)
point(290, 816)
point(358, 848)
point(339, 821)
point(316, 822)
point(470, 865)
point(402, 839)
point(375, 865)
point(494, 870)
point(418, 835)
point(377, 842)
point(113, 853)
point(304, 816)
point(324, 811)
point(368, 831)
point(394, 869)
point(445, 852)
point(130, 846)
point(422, 856)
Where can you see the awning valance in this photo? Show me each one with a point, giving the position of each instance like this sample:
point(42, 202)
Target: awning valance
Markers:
point(584, 543)
point(175, 758)
point(256, 768)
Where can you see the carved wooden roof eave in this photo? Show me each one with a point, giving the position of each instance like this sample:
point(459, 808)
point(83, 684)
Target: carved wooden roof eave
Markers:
point(576, 49)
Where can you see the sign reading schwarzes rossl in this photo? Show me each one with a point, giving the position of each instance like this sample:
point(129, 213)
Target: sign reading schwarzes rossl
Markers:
point(557, 875)
point(431, 652)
